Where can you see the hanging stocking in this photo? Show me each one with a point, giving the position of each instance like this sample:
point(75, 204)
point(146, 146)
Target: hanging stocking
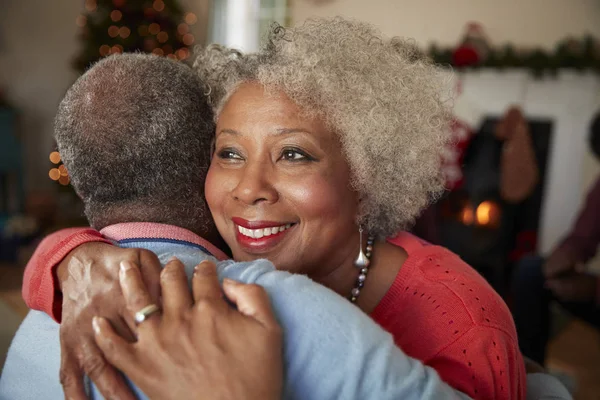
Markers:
point(518, 166)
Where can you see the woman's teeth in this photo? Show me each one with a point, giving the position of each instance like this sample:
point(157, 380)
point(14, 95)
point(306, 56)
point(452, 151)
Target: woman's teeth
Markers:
point(259, 233)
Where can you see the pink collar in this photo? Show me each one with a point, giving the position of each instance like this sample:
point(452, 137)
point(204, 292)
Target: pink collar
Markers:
point(151, 230)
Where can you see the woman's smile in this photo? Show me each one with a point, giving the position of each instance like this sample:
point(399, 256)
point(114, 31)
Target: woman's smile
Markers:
point(258, 237)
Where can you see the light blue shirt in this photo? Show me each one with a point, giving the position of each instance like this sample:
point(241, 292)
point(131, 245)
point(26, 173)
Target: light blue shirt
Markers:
point(332, 350)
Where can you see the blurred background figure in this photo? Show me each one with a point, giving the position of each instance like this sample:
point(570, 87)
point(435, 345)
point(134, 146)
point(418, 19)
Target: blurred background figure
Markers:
point(525, 90)
point(565, 276)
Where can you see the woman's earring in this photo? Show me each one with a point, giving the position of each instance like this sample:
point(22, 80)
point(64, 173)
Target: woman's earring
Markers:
point(362, 261)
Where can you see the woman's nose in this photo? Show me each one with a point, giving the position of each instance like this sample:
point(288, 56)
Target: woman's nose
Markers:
point(255, 185)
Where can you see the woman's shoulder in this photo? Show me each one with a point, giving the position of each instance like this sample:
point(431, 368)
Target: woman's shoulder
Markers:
point(444, 313)
point(441, 295)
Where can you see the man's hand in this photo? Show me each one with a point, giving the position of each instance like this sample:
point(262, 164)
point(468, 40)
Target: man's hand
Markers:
point(89, 280)
point(200, 347)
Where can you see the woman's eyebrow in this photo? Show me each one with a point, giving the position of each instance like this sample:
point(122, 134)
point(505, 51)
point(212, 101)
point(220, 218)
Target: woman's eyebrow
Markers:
point(229, 131)
point(285, 131)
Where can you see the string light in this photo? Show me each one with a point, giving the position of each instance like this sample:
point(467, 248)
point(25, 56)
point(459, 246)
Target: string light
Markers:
point(54, 157)
point(54, 174)
point(182, 54)
point(158, 5)
point(104, 50)
point(81, 21)
point(190, 18)
point(124, 32)
point(188, 39)
point(162, 37)
point(113, 31)
point(63, 170)
point(154, 28)
point(116, 49)
point(90, 5)
point(64, 180)
point(158, 51)
point(182, 29)
point(172, 56)
point(119, 3)
point(116, 15)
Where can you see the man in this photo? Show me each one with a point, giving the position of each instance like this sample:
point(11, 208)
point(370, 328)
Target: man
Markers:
point(562, 277)
point(133, 132)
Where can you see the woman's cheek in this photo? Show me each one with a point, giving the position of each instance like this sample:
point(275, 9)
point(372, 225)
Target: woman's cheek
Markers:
point(315, 197)
point(214, 189)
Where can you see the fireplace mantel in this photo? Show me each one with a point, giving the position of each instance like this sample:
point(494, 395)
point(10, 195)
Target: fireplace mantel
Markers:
point(570, 100)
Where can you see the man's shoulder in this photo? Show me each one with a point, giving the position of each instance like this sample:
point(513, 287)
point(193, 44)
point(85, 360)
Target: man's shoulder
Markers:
point(33, 361)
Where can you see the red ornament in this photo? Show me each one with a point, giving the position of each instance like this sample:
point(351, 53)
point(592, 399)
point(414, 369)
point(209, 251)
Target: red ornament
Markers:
point(465, 56)
point(473, 48)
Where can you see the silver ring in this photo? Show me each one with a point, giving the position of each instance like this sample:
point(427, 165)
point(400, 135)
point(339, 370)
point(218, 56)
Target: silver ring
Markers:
point(145, 313)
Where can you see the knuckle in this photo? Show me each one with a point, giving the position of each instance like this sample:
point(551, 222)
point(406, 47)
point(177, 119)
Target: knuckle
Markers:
point(94, 366)
point(66, 378)
point(137, 300)
point(206, 308)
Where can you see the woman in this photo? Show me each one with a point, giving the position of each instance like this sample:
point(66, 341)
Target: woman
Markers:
point(329, 139)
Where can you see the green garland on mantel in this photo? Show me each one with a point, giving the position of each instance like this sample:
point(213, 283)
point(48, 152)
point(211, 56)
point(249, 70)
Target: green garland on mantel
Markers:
point(580, 55)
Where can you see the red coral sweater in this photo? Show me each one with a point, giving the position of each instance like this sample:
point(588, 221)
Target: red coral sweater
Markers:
point(438, 309)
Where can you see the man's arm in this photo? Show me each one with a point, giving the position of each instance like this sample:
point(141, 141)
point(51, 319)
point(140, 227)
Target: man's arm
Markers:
point(332, 349)
point(583, 240)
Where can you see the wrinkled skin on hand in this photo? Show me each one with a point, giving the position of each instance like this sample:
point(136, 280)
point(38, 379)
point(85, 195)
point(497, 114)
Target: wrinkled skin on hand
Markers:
point(89, 280)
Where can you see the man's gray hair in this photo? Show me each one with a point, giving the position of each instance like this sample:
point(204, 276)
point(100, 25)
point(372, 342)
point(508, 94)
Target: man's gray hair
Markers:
point(135, 134)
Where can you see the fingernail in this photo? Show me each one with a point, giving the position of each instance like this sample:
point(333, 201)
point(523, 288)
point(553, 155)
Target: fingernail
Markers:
point(227, 281)
point(204, 268)
point(174, 258)
point(96, 325)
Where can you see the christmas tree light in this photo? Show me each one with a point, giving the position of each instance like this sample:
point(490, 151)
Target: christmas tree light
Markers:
point(115, 26)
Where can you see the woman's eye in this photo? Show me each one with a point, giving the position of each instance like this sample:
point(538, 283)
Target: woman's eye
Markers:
point(229, 154)
point(294, 155)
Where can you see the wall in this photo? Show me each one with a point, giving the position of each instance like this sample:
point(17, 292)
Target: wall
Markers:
point(570, 100)
point(523, 22)
point(38, 40)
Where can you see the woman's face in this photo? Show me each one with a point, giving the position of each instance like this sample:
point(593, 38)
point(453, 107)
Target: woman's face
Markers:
point(278, 185)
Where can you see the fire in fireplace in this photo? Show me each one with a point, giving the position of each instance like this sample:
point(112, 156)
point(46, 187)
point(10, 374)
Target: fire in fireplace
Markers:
point(475, 222)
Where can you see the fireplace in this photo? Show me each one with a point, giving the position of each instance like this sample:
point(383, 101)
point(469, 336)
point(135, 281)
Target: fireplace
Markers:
point(488, 232)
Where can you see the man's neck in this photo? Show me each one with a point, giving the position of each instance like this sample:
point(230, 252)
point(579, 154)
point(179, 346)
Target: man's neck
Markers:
point(152, 230)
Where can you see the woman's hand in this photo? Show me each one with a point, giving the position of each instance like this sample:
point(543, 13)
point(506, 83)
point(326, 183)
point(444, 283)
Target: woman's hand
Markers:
point(89, 280)
point(200, 347)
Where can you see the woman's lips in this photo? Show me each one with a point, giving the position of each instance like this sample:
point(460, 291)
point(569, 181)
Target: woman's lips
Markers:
point(260, 236)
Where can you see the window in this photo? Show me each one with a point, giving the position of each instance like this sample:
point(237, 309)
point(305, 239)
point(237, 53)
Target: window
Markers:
point(242, 23)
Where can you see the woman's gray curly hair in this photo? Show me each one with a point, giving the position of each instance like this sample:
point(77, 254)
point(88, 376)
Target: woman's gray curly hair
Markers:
point(383, 99)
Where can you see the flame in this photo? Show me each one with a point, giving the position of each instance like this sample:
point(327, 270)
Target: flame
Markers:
point(467, 216)
point(487, 213)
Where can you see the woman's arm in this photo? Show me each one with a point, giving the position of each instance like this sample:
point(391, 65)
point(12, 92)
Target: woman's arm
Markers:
point(69, 261)
point(41, 289)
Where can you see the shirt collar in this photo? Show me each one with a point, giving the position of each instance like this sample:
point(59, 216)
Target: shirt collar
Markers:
point(152, 230)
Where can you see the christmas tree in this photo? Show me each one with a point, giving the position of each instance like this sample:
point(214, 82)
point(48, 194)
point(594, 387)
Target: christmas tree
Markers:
point(116, 26)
